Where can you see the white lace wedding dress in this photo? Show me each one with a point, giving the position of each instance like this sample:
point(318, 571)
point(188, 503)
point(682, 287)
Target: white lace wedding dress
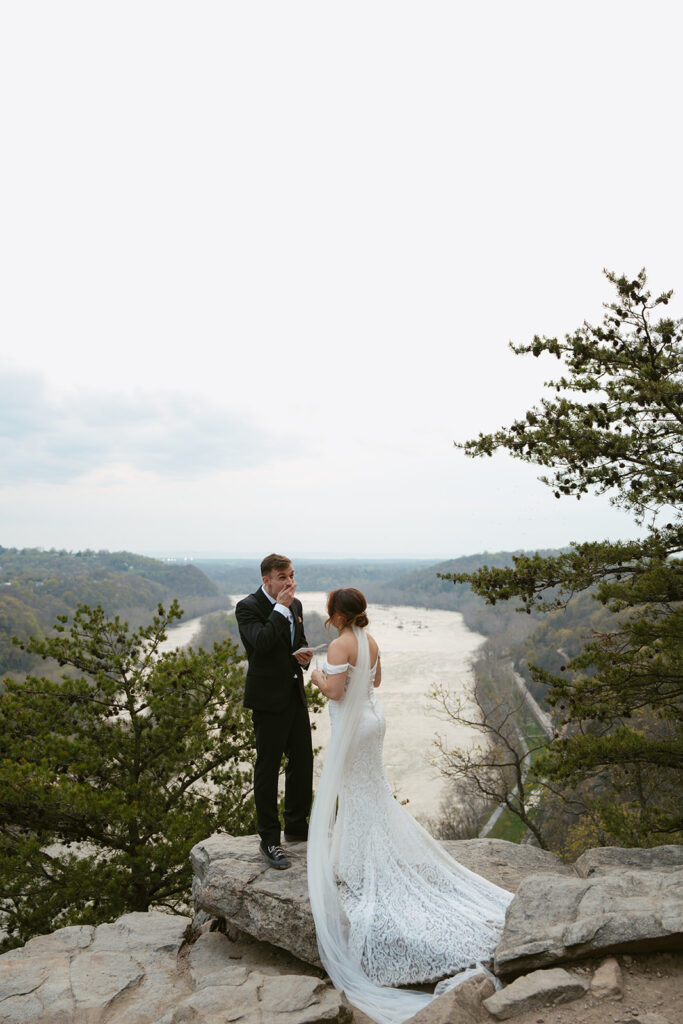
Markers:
point(391, 907)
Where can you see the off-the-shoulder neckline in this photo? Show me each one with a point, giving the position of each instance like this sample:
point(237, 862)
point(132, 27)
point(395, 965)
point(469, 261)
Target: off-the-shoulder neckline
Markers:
point(347, 664)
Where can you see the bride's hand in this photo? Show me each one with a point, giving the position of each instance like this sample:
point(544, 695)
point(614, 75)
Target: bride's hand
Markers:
point(318, 677)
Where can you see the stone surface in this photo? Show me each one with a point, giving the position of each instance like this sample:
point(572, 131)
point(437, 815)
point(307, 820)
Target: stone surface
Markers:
point(82, 975)
point(97, 978)
point(210, 957)
point(162, 986)
point(460, 1005)
point(150, 932)
point(504, 863)
point(31, 988)
point(540, 988)
point(607, 859)
point(144, 968)
point(233, 882)
point(64, 940)
point(140, 970)
point(557, 919)
point(263, 999)
point(607, 981)
point(284, 995)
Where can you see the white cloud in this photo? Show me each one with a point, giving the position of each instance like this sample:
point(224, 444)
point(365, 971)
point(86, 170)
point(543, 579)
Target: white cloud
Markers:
point(60, 439)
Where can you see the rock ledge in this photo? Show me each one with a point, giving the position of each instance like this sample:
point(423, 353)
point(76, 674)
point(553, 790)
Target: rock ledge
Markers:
point(233, 882)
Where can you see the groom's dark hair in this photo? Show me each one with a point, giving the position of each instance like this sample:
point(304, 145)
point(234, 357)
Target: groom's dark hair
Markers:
point(271, 562)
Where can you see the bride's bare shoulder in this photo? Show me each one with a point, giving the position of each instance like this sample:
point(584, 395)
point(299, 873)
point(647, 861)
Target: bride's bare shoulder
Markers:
point(339, 650)
point(374, 649)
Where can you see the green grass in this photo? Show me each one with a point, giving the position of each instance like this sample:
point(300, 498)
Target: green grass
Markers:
point(509, 827)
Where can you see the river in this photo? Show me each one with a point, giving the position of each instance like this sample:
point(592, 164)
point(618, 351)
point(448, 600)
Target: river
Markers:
point(420, 647)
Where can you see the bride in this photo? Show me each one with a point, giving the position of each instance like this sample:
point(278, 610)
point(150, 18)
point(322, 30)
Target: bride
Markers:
point(390, 906)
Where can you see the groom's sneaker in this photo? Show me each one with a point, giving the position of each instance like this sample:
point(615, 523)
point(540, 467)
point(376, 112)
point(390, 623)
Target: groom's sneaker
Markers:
point(276, 856)
point(295, 839)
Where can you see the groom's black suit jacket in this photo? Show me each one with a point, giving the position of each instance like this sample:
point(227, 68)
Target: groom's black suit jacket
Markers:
point(274, 676)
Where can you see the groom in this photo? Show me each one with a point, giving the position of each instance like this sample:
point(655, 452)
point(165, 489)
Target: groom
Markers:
point(271, 627)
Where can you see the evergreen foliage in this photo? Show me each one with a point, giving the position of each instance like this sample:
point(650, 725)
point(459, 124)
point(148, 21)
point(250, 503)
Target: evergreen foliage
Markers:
point(111, 774)
point(614, 426)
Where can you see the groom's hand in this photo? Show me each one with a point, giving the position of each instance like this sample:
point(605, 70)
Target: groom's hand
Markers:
point(304, 657)
point(286, 595)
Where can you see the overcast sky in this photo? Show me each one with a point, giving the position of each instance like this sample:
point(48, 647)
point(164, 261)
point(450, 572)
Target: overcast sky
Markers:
point(260, 262)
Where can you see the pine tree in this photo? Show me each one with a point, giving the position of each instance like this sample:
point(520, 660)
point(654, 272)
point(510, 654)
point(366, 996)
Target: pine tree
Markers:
point(109, 776)
point(613, 426)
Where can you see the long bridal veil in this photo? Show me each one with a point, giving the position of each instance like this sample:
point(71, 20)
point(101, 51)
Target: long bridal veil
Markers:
point(331, 923)
point(406, 867)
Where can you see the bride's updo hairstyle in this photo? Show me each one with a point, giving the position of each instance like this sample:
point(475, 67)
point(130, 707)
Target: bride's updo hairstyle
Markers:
point(348, 603)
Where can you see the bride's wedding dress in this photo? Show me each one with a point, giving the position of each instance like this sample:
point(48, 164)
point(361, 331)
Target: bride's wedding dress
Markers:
point(391, 907)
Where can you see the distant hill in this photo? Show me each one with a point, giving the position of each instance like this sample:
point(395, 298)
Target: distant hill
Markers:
point(407, 582)
point(242, 576)
point(38, 585)
point(422, 587)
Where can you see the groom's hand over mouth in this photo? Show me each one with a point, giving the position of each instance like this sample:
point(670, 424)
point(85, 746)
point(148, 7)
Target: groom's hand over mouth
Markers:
point(286, 595)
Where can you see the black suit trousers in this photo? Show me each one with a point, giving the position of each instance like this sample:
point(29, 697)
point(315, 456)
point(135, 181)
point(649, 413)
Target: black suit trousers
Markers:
point(285, 732)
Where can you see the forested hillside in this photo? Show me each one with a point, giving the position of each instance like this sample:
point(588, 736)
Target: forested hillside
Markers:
point(37, 585)
point(242, 576)
point(423, 587)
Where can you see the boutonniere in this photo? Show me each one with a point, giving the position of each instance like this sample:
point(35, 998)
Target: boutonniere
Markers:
point(299, 618)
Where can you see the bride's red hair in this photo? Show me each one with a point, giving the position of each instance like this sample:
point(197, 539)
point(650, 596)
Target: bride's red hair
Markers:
point(350, 604)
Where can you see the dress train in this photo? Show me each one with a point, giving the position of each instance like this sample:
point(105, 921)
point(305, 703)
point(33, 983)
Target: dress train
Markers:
point(390, 906)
